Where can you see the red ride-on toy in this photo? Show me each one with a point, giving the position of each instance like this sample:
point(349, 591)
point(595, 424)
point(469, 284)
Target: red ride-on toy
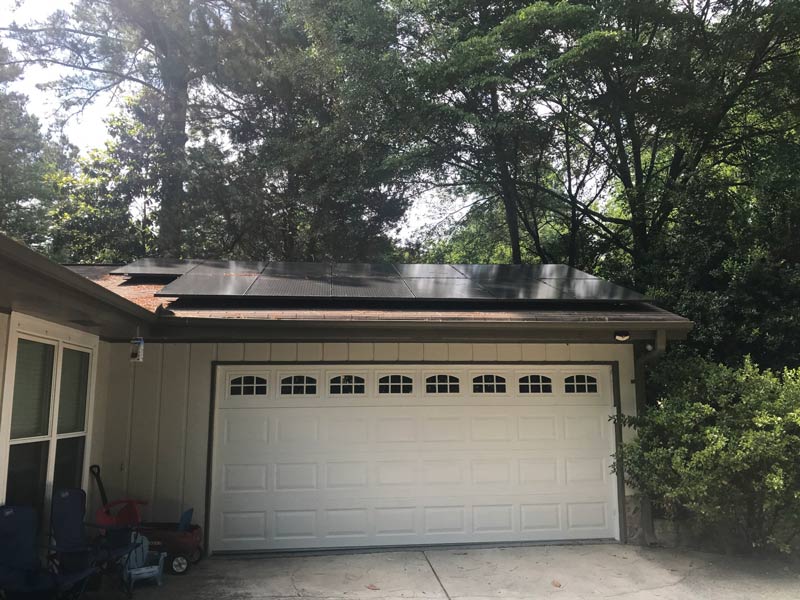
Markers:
point(182, 541)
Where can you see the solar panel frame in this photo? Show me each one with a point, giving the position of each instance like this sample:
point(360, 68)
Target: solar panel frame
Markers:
point(157, 267)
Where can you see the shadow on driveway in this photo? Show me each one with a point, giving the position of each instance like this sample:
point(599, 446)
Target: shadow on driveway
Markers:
point(559, 572)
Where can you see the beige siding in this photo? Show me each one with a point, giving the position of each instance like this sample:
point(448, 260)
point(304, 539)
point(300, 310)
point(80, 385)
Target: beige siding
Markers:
point(98, 419)
point(155, 444)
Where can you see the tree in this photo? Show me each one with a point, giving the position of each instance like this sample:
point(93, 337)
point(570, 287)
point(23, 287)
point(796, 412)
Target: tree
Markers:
point(607, 110)
point(31, 165)
point(312, 146)
point(114, 46)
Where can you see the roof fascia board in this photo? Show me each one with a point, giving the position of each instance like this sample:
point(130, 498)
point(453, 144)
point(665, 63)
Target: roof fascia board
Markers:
point(21, 255)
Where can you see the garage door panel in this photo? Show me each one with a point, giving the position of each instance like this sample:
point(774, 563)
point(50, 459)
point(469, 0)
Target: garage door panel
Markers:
point(332, 472)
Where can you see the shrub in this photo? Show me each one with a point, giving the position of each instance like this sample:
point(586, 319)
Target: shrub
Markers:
point(723, 445)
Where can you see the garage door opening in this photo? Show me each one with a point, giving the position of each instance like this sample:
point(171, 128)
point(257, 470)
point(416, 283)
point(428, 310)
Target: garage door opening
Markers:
point(338, 456)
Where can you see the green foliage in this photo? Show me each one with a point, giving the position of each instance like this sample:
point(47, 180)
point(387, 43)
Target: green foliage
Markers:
point(31, 164)
point(722, 444)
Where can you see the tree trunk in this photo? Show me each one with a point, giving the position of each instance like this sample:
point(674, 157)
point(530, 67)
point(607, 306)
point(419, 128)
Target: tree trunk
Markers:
point(513, 229)
point(173, 171)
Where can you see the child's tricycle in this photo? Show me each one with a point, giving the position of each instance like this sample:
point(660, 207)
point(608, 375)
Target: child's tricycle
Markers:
point(182, 541)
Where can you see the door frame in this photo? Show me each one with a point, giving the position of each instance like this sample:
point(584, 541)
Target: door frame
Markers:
point(217, 388)
point(22, 326)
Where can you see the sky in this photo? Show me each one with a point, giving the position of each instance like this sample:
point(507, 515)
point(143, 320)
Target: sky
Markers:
point(86, 131)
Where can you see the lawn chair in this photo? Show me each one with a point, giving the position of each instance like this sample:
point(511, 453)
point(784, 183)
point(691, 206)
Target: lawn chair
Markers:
point(71, 551)
point(142, 564)
point(21, 574)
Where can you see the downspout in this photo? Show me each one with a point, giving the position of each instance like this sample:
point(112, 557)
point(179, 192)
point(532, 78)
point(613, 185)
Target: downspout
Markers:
point(646, 354)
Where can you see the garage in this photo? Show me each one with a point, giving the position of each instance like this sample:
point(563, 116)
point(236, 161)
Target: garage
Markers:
point(344, 455)
point(296, 406)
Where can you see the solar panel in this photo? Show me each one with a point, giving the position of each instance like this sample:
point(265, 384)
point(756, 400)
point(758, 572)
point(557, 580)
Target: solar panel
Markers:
point(222, 267)
point(370, 287)
point(525, 290)
point(593, 289)
point(290, 287)
point(364, 270)
point(497, 272)
point(209, 285)
point(434, 271)
point(443, 289)
point(559, 271)
point(521, 272)
point(157, 267)
point(380, 281)
point(297, 269)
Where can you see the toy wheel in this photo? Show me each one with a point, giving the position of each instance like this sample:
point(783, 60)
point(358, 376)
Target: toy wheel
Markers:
point(196, 557)
point(178, 564)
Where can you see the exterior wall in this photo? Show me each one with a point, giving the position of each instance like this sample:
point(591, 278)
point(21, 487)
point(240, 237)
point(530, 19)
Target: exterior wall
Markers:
point(98, 419)
point(157, 412)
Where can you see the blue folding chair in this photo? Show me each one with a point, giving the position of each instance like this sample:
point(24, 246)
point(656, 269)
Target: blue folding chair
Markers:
point(71, 550)
point(21, 573)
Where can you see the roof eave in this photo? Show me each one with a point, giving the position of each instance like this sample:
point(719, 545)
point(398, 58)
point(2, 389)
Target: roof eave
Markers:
point(18, 254)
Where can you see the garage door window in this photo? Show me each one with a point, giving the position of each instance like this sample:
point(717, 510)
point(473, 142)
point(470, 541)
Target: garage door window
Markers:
point(580, 384)
point(442, 384)
point(489, 384)
point(347, 384)
point(535, 384)
point(248, 385)
point(395, 384)
point(298, 385)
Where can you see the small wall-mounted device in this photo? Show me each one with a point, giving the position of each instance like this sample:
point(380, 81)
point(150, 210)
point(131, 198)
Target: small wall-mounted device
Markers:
point(622, 336)
point(137, 349)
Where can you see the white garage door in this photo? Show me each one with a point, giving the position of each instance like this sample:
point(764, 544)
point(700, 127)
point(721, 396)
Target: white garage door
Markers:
point(341, 456)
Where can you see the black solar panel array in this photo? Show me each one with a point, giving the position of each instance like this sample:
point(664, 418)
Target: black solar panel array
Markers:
point(250, 279)
point(157, 267)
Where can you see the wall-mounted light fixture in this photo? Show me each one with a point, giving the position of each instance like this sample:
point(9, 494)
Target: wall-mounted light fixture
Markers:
point(622, 336)
point(137, 350)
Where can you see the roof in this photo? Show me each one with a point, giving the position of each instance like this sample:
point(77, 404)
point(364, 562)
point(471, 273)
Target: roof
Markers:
point(356, 283)
point(516, 302)
point(148, 284)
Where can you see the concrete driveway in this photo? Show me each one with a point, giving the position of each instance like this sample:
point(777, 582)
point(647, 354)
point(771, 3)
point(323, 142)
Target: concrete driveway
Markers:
point(558, 572)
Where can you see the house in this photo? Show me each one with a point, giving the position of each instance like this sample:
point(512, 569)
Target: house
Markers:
point(299, 405)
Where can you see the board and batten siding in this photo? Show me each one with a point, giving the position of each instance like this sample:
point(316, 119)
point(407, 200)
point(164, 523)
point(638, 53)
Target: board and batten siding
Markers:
point(156, 413)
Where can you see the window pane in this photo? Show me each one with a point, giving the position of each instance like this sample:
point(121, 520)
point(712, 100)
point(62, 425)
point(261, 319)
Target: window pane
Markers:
point(27, 471)
point(69, 463)
point(74, 387)
point(33, 381)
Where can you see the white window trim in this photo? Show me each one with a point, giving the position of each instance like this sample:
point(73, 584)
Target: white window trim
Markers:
point(28, 327)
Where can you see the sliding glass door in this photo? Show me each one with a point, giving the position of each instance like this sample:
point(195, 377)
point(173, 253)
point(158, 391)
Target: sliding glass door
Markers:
point(48, 429)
